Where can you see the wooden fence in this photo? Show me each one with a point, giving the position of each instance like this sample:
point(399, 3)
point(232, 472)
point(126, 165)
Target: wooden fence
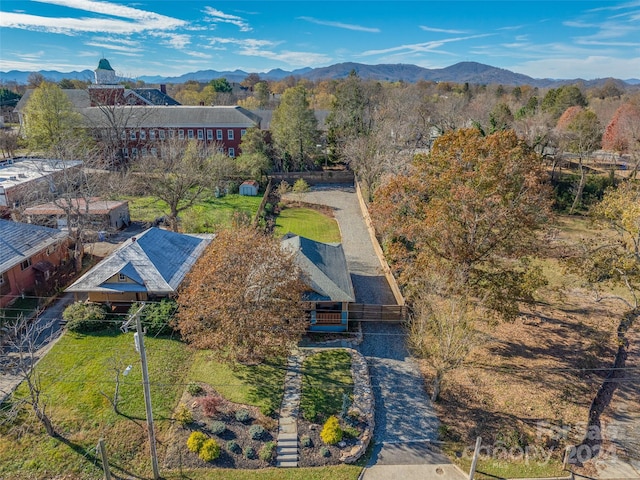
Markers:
point(378, 313)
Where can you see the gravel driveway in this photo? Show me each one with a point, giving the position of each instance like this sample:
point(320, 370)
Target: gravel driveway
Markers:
point(403, 410)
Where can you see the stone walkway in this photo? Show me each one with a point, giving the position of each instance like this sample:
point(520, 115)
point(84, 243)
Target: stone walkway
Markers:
point(287, 443)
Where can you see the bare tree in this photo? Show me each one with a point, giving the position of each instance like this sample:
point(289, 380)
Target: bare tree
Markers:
point(23, 343)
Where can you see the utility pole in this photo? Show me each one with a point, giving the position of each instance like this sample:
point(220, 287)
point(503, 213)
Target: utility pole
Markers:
point(145, 385)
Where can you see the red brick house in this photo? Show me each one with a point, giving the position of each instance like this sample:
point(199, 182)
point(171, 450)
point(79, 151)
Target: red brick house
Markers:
point(30, 255)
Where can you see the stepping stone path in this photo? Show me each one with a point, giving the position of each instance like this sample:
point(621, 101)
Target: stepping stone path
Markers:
point(287, 454)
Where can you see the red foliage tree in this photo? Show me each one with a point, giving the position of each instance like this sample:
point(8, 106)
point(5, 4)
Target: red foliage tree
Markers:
point(623, 129)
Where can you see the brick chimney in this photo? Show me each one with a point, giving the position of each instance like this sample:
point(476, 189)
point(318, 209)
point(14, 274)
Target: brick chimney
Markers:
point(163, 88)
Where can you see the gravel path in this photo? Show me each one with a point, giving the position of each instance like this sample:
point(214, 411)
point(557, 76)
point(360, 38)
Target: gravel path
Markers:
point(403, 410)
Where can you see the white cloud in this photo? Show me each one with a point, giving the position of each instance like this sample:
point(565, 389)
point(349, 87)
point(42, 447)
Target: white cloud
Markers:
point(217, 16)
point(583, 67)
point(420, 47)
point(130, 20)
point(115, 48)
point(441, 30)
point(295, 59)
point(346, 26)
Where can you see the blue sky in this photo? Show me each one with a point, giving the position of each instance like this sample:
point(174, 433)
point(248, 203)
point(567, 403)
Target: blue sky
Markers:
point(543, 39)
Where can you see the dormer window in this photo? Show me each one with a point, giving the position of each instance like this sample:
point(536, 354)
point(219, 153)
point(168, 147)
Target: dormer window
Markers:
point(122, 277)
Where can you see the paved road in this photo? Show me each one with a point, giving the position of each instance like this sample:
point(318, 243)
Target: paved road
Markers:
point(405, 420)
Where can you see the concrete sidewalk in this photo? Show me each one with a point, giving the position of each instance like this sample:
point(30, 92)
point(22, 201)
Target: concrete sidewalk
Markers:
point(410, 461)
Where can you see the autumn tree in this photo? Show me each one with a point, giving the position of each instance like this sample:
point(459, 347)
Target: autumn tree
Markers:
point(51, 123)
point(580, 133)
point(294, 128)
point(557, 100)
point(23, 340)
point(179, 176)
point(442, 331)
point(246, 310)
point(472, 209)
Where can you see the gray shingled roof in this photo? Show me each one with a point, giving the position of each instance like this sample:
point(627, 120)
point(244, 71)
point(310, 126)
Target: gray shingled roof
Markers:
point(325, 265)
point(179, 116)
point(79, 98)
point(19, 241)
point(156, 261)
point(155, 96)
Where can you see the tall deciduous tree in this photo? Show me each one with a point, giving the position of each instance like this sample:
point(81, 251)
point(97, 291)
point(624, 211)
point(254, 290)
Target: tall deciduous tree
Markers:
point(467, 210)
point(179, 175)
point(243, 297)
point(52, 125)
point(295, 129)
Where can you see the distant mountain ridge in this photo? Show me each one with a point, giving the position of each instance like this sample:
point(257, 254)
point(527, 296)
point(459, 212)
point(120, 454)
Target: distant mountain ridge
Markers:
point(470, 72)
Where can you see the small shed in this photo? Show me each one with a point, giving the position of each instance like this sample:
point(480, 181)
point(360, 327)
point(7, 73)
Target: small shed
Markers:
point(249, 188)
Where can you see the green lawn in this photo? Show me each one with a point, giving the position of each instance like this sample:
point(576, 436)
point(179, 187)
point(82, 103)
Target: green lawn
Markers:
point(326, 377)
point(337, 472)
point(309, 223)
point(207, 215)
point(22, 306)
point(259, 385)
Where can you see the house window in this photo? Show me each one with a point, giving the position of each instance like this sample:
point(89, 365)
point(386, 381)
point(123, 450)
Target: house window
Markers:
point(125, 152)
point(26, 264)
point(200, 135)
point(154, 152)
point(181, 134)
point(218, 134)
point(152, 134)
point(232, 152)
point(172, 133)
point(209, 134)
point(2, 279)
point(144, 151)
point(190, 133)
point(161, 134)
point(132, 136)
point(51, 249)
point(123, 135)
point(243, 132)
point(230, 134)
point(122, 277)
point(134, 152)
point(143, 135)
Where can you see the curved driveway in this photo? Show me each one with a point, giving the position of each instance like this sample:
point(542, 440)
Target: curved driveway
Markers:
point(405, 419)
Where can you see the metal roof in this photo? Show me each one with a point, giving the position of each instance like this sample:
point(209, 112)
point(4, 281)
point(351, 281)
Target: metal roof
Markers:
point(156, 261)
point(91, 206)
point(325, 265)
point(178, 116)
point(19, 241)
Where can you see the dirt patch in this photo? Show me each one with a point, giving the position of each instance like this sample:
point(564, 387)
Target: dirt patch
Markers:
point(532, 381)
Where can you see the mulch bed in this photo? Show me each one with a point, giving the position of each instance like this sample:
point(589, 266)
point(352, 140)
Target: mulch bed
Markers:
point(177, 455)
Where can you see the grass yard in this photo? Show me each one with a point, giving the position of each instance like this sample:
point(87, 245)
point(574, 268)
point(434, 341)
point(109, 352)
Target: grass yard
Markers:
point(258, 385)
point(22, 306)
point(208, 215)
point(308, 223)
point(337, 472)
point(326, 377)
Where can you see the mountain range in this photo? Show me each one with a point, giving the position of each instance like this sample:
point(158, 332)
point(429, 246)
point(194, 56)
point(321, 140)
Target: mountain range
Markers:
point(469, 72)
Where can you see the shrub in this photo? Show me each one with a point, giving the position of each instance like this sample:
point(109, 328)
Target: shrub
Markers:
point(156, 316)
point(257, 432)
point(249, 453)
point(194, 389)
point(85, 317)
point(210, 450)
point(331, 432)
point(266, 452)
point(351, 432)
point(267, 410)
point(243, 415)
point(209, 405)
point(217, 427)
point(233, 446)
point(306, 441)
point(195, 441)
point(310, 413)
point(325, 452)
point(183, 414)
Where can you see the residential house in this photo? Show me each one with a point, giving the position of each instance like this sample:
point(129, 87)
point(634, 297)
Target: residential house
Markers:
point(98, 214)
point(330, 288)
point(30, 255)
point(146, 267)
